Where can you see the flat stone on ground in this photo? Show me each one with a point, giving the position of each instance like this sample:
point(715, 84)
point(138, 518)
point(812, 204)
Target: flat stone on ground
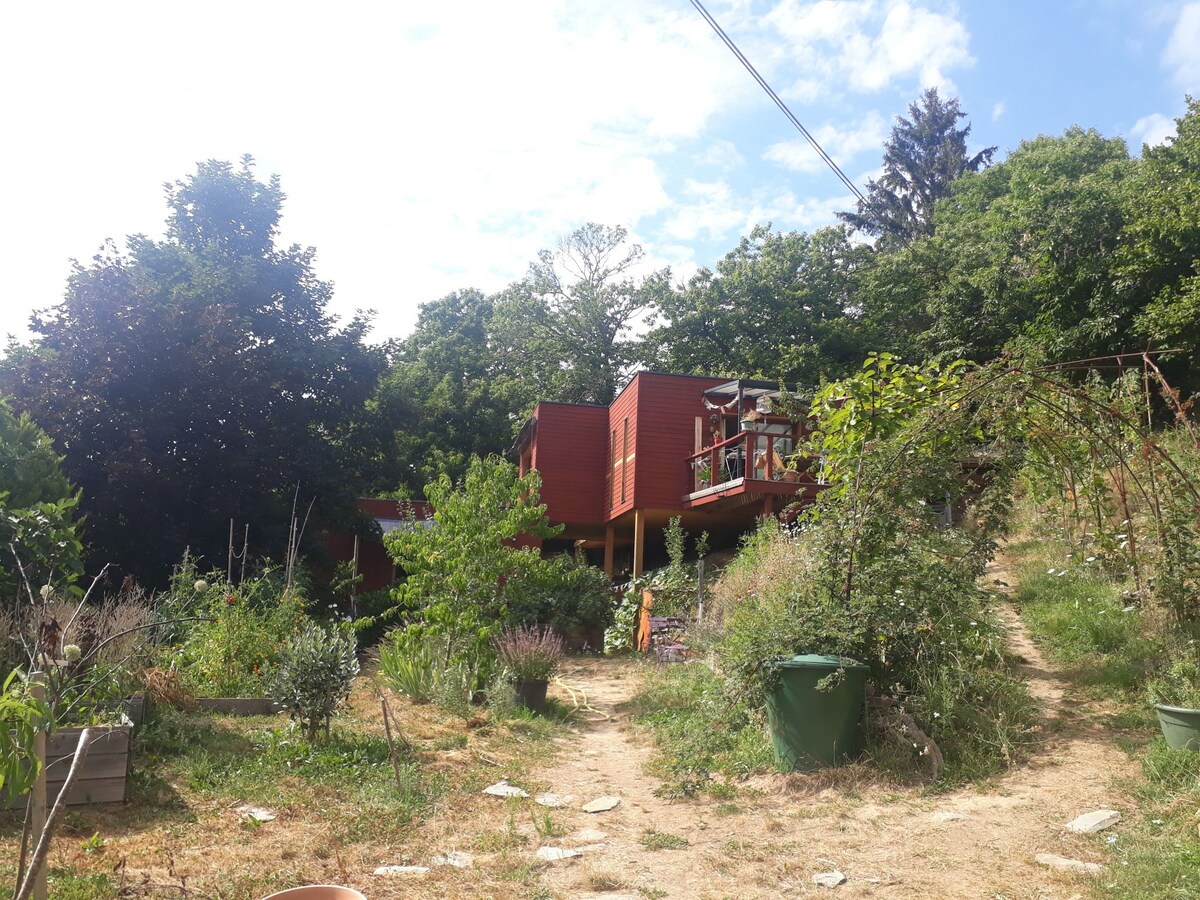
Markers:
point(457, 858)
point(554, 854)
point(504, 789)
point(256, 814)
point(1090, 823)
point(829, 879)
point(601, 804)
point(554, 801)
point(1068, 865)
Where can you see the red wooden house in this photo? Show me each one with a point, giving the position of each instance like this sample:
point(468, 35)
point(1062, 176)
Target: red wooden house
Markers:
point(371, 558)
point(709, 450)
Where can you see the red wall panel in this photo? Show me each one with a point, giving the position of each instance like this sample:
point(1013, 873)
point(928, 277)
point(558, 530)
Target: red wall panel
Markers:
point(570, 452)
point(667, 408)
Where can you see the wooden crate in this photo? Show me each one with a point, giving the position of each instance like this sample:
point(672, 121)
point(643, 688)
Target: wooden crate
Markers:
point(105, 772)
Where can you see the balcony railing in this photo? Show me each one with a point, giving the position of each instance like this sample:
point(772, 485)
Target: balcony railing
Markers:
point(748, 456)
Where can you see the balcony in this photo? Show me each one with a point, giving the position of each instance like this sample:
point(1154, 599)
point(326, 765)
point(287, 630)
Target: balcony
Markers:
point(747, 467)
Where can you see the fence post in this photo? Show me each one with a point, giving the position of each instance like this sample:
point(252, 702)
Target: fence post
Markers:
point(700, 590)
point(37, 797)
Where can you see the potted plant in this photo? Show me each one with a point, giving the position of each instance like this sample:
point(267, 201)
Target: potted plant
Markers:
point(704, 472)
point(1175, 694)
point(530, 654)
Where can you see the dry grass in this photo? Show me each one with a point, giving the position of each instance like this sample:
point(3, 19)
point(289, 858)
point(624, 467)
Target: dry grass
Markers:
point(338, 817)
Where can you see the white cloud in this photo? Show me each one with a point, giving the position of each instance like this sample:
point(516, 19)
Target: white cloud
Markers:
point(1182, 53)
point(998, 111)
point(722, 154)
point(868, 45)
point(1153, 129)
point(841, 143)
point(425, 148)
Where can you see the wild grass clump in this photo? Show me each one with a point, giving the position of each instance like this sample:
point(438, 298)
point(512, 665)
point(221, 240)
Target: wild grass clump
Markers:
point(702, 727)
point(1089, 623)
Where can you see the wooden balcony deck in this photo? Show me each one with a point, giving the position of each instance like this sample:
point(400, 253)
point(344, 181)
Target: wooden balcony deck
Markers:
point(751, 470)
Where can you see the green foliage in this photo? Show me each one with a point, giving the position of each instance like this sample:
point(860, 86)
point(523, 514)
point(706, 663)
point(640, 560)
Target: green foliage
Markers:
point(427, 665)
point(21, 717)
point(410, 667)
point(564, 592)
point(576, 312)
point(618, 636)
point(675, 584)
point(1178, 684)
point(198, 379)
point(452, 392)
point(1088, 621)
point(463, 569)
point(701, 727)
point(874, 405)
point(922, 158)
point(37, 511)
point(779, 305)
point(315, 673)
point(235, 650)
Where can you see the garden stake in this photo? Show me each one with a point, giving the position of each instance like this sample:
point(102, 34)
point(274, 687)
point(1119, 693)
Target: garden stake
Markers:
point(387, 730)
point(35, 878)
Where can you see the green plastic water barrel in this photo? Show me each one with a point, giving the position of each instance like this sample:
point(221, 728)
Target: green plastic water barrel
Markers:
point(812, 728)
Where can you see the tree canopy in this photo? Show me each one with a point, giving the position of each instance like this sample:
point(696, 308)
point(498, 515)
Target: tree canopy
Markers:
point(197, 379)
point(925, 154)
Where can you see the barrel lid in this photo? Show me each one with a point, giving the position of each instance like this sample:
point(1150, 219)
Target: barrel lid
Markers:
point(819, 661)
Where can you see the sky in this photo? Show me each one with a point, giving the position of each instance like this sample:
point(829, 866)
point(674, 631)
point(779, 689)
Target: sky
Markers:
point(429, 147)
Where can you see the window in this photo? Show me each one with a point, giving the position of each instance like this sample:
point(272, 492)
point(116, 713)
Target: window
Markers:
point(624, 455)
point(610, 481)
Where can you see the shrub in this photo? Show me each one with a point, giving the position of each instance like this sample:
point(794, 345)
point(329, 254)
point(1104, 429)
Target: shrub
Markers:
point(1178, 684)
point(233, 652)
point(421, 663)
point(563, 592)
point(409, 667)
point(529, 653)
point(316, 671)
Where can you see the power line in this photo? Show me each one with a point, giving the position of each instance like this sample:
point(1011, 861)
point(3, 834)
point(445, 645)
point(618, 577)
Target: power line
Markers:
point(782, 106)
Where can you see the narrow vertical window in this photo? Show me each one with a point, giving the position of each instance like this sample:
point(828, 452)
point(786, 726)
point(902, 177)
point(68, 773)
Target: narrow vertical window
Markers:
point(624, 455)
point(610, 481)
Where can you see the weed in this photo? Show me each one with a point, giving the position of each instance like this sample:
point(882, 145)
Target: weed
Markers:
point(652, 839)
point(604, 880)
point(93, 844)
point(451, 742)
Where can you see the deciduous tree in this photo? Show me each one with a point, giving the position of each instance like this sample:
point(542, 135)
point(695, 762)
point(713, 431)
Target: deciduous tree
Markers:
point(198, 379)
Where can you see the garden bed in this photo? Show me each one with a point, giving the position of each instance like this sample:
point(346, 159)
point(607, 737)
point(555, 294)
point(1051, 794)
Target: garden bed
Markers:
point(238, 706)
point(105, 773)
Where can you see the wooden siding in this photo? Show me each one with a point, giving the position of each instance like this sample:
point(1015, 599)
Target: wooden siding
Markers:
point(570, 452)
point(667, 408)
point(105, 769)
point(622, 420)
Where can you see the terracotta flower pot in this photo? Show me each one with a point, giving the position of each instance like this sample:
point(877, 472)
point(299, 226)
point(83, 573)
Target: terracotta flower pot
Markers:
point(317, 892)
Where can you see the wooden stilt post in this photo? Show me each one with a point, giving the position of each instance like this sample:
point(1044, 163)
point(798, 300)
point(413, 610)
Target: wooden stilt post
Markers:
point(769, 505)
point(610, 539)
point(639, 542)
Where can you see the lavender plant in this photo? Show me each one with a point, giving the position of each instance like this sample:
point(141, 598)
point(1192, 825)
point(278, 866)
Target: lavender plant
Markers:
point(529, 653)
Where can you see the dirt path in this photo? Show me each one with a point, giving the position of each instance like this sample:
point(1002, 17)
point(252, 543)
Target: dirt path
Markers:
point(890, 843)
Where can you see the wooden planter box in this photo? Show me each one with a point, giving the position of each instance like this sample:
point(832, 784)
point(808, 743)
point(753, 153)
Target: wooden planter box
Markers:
point(238, 706)
point(105, 773)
